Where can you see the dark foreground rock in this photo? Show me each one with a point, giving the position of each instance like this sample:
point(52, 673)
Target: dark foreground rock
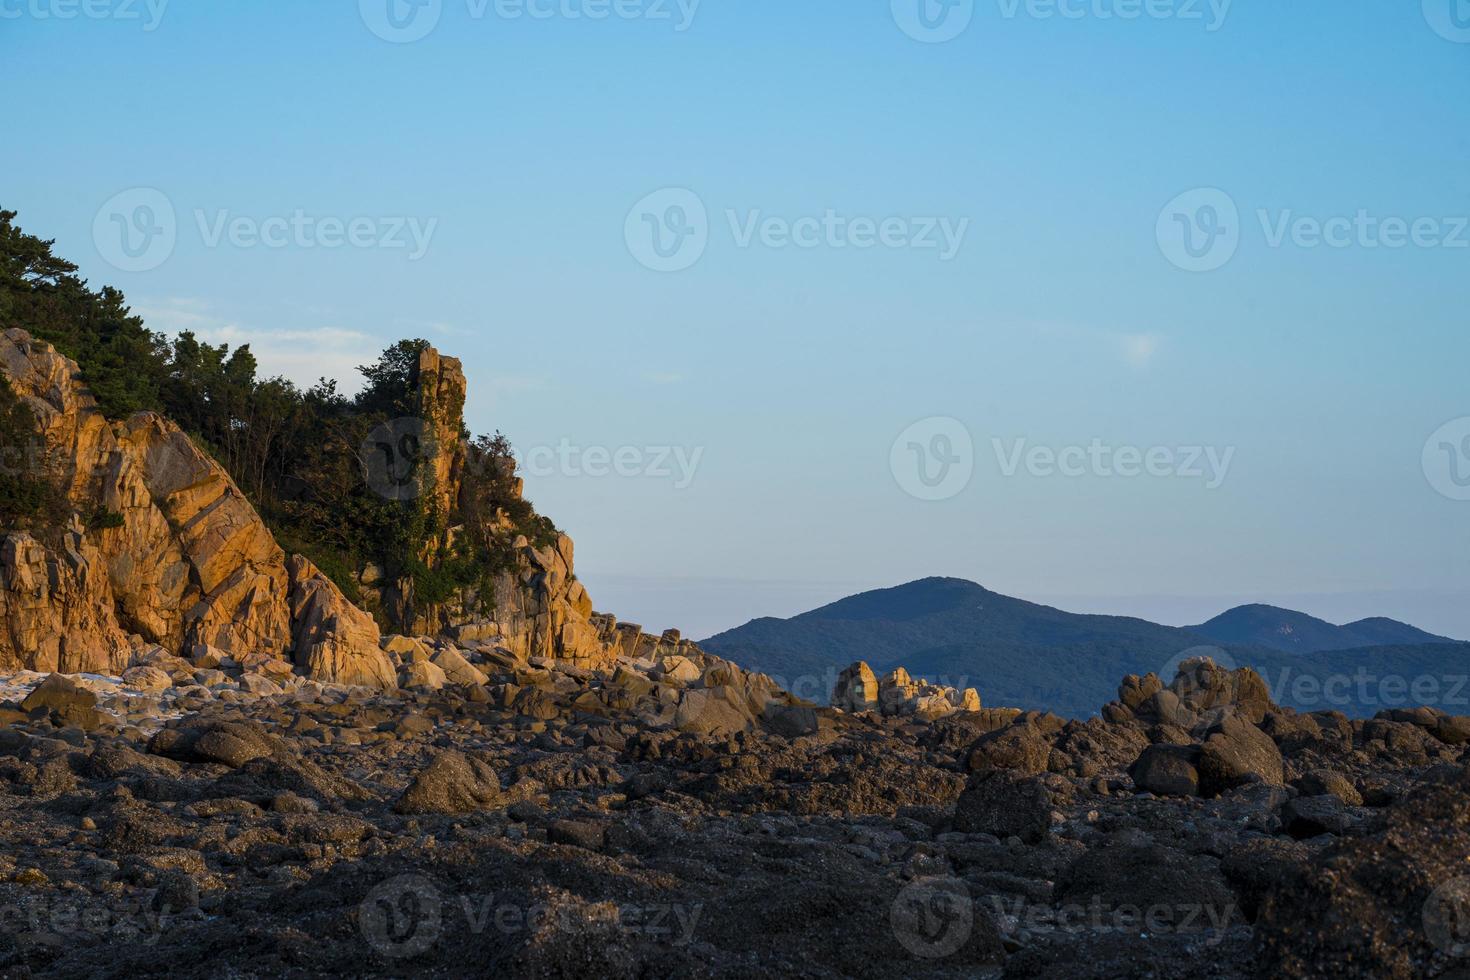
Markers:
point(542, 824)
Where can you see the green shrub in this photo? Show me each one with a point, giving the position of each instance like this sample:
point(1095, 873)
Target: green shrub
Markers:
point(101, 519)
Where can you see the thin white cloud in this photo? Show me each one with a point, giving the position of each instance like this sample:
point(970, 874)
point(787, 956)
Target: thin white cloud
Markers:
point(1139, 348)
point(664, 377)
point(302, 355)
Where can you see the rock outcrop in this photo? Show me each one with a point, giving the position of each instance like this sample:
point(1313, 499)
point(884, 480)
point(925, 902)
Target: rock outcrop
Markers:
point(535, 609)
point(441, 393)
point(184, 561)
point(56, 611)
point(334, 641)
point(857, 689)
point(543, 611)
point(899, 695)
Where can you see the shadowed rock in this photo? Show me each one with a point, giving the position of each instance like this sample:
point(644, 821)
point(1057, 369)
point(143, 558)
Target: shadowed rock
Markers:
point(452, 783)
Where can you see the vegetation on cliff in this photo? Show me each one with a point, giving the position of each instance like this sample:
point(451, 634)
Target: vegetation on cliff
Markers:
point(299, 455)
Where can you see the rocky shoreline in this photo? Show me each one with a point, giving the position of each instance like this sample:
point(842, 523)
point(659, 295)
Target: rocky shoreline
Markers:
point(213, 763)
point(538, 818)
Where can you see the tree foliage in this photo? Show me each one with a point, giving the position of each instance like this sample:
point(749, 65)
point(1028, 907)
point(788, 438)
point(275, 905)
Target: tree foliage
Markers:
point(297, 454)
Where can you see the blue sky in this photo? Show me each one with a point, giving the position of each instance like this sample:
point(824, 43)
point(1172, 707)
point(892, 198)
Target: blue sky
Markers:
point(1067, 149)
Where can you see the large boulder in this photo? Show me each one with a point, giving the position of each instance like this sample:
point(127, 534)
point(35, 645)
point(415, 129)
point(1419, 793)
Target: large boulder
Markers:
point(334, 641)
point(1020, 748)
point(457, 670)
point(146, 678)
point(422, 675)
point(228, 743)
point(65, 702)
point(1236, 753)
point(1168, 770)
point(451, 783)
point(1005, 803)
point(235, 598)
point(856, 689)
point(792, 720)
point(1206, 689)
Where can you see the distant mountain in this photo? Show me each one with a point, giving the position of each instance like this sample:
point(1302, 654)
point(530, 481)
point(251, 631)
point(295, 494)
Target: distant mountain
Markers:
point(1296, 632)
point(1380, 631)
point(1022, 654)
point(956, 632)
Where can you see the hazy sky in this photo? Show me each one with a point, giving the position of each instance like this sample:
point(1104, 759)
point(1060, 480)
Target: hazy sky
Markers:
point(992, 253)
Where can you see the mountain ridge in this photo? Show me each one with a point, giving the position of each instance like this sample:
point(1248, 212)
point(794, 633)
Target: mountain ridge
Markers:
point(1289, 630)
point(1016, 652)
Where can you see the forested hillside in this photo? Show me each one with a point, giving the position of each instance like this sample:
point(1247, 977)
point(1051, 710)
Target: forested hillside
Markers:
point(300, 455)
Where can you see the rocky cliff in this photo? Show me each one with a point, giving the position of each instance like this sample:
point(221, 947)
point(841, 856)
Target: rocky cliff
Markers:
point(178, 558)
point(537, 608)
